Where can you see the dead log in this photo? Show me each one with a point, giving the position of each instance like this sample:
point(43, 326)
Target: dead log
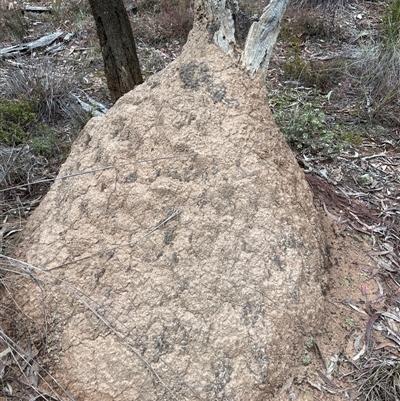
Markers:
point(262, 37)
point(40, 43)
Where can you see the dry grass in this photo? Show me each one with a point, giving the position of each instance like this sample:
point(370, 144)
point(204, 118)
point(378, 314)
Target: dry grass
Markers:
point(158, 22)
point(378, 70)
point(13, 25)
point(16, 163)
point(20, 373)
point(330, 4)
point(378, 378)
point(379, 80)
point(45, 83)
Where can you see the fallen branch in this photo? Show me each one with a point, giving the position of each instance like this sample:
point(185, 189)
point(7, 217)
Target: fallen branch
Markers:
point(42, 42)
point(37, 9)
point(93, 107)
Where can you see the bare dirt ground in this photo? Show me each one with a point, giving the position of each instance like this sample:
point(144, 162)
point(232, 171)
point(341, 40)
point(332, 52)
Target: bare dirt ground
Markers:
point(357, 193)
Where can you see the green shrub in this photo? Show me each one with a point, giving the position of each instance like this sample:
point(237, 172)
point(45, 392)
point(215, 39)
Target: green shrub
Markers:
point(19, 125)
point(295, 67)
point(16, 120)
point(322, 75)
point(46, 85)
point(325, 75)
point(304, 127)
point(45, 142)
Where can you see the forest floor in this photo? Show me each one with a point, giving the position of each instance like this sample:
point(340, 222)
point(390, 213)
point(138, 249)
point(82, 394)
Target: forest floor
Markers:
point(345, 137)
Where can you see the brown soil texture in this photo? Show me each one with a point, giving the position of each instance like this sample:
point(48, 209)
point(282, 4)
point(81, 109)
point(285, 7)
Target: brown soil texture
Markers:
point(181, 256)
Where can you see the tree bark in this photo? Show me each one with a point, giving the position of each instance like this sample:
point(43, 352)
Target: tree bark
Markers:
point(118, 48)
point(221, 16)
point(222, 25)
point(262, 37)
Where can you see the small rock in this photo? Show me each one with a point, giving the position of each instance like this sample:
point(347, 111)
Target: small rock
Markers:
point(365, 180)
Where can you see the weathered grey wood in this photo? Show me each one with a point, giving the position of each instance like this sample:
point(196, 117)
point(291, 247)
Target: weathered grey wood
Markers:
point(37, 9)
point(262, 37)
point(220, 12)
point(94, 107)
point(44, 41)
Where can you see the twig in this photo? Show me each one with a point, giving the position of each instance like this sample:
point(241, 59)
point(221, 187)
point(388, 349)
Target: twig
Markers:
point(19, 351)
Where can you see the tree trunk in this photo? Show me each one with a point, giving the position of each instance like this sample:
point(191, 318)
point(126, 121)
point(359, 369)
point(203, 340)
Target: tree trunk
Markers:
point(222, 15)
point(117, 44)
point(262, 37)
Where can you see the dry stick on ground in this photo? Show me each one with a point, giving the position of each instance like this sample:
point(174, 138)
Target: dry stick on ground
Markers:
point(379, 378)
point(36, 44)
point(37, 9)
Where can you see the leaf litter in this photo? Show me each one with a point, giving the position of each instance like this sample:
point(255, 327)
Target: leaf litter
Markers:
point(371, 212)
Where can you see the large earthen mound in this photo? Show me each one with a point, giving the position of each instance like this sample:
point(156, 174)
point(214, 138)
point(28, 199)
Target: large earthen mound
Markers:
point(188, 255)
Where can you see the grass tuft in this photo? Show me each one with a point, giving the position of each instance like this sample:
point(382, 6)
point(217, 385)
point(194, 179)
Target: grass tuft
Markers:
point(380, 379)
point(379, 70)
point(44, 83)
point(13, 24)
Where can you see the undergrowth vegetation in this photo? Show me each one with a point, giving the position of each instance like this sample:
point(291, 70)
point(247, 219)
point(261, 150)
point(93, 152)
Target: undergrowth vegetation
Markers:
point(306, 128)
point(20, 125)
point(16, 119)
point(37, 100)
point(322, 80)
point(379, 69)
point(159, 21)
